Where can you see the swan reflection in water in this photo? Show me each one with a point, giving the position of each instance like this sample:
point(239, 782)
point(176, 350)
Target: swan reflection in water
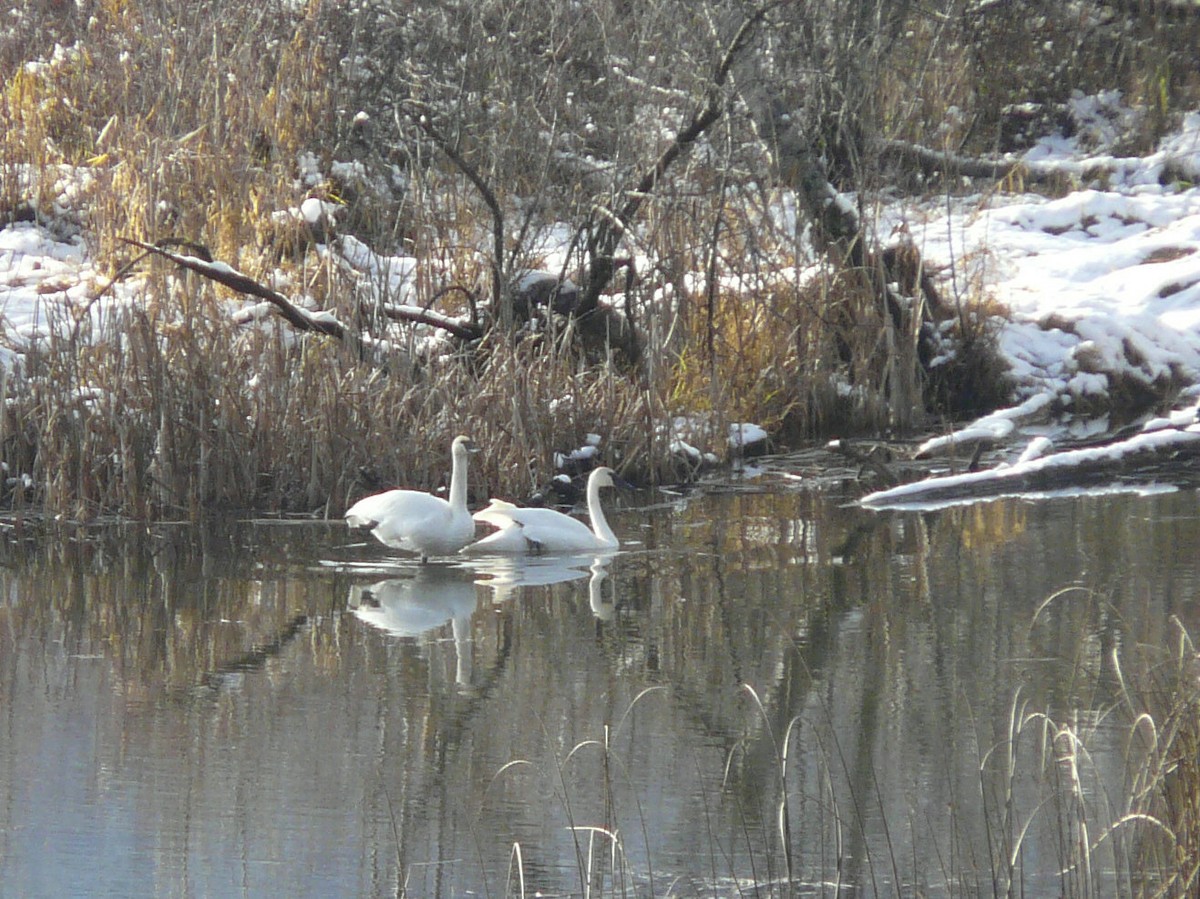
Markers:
point(504, 575)
point(414, 606)
point(434, 594)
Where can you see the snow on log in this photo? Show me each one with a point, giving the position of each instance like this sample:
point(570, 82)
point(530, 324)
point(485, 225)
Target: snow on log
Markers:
point(1151, 454)
point(989, 430)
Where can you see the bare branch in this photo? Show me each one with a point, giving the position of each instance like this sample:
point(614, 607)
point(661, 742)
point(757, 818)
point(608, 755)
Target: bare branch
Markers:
point(302, 319)
point(235, 280)
point(614, 224)
point(421, 118)
point(701, 121)
point(421, 316)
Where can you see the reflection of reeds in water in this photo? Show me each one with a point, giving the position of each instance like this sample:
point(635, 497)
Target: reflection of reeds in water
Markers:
point(846, 716)
point(154, 607)
point(1037, 773)
point(1138, 836)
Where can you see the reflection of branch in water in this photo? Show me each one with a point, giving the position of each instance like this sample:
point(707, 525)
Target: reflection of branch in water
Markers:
point(858, 537)
point(257, 656)
point(752, 747)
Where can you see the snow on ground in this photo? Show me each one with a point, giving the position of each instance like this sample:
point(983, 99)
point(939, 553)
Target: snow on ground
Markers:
point(1100, 285)
point(744, 436)
point(42, 278)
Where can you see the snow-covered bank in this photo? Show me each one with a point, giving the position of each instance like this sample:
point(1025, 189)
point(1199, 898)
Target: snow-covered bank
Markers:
point(1101, 287)
point(1101, 290)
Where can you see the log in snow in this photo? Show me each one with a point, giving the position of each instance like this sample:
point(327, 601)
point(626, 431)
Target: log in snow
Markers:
point(1160, 453)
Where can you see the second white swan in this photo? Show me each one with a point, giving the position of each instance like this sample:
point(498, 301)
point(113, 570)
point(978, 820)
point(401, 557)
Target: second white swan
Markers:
point(545, 530)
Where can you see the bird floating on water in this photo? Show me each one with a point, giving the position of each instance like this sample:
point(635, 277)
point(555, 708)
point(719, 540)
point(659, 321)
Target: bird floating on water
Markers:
point(420, 522)
point(545, 530)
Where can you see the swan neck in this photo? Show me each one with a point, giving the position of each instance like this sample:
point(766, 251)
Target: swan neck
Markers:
point(596, 514)
point(458, 481)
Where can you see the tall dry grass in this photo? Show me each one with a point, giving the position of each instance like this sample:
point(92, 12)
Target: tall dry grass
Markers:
point(190, 123)
point(171, 415)
point(1161, 691)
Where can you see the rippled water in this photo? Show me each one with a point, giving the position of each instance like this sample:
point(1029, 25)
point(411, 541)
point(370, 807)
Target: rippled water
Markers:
point(268, 709)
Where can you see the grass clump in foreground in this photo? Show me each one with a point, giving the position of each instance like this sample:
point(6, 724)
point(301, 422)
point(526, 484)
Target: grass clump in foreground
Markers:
point(1165, 783)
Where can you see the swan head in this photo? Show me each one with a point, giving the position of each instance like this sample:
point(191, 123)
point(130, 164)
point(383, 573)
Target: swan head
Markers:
point(606, 477)
point(603, 477)
point(463, 446)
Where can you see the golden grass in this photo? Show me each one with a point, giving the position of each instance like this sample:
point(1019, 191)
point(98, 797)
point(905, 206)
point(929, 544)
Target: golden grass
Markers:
point(1161, 687)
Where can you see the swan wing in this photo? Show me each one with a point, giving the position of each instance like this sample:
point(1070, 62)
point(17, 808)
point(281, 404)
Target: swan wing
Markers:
point(411, 520)
point(370, 510)
point(525, 529)
point(553, 531)
point(497, 512)
point(510, 538)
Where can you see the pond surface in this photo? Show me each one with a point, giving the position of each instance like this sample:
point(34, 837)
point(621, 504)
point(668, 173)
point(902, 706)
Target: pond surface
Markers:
point(769, 692)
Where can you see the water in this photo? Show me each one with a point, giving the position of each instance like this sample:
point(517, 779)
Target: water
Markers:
point(264, 709)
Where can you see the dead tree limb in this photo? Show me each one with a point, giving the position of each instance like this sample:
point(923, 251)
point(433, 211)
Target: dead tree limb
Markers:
point(614, 223)
point(931, 161)
point(302, 319)
point(866, 461)
point(418, 315)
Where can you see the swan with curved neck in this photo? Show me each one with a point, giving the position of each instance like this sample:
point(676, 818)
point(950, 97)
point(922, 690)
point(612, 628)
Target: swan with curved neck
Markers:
point(420, 522)
point(545, 530)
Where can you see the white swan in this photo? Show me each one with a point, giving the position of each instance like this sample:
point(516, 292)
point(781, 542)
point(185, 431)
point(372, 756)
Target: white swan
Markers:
point(545, 530)
point(421, 522)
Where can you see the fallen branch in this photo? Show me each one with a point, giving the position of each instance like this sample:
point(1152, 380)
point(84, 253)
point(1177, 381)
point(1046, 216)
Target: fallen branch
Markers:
point(420, 316)
point(930, 161)
point(1167, 454)
point(868, 461)
point(302, 319)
